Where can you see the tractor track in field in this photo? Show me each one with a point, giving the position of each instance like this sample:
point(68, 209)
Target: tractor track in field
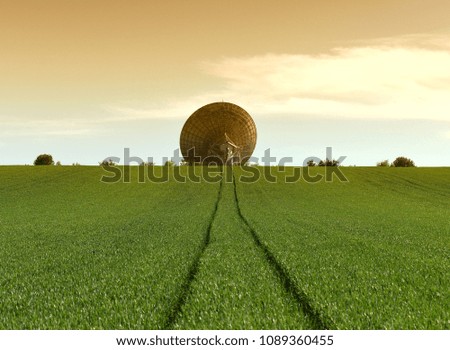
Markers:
point(297, 294)
point(289, 286)
point(186, 286)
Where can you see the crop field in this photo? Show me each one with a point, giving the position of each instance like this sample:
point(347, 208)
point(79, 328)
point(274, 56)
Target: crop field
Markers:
point(370, 253)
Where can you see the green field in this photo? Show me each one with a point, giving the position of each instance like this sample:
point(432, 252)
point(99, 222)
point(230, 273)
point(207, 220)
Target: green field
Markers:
point(370, 253)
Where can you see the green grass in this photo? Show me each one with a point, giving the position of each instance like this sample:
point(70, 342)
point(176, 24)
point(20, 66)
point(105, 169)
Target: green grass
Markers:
point(371, 253)
point(235, 287)
point(77, 253)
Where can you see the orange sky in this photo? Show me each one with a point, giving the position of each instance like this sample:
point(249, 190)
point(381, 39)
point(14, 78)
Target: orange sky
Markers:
point(71, 60)
point(64, 47)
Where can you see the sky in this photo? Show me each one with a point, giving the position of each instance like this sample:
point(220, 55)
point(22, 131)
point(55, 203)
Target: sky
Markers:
point(84, 79)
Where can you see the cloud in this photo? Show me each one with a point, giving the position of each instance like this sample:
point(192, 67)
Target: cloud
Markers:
point(169, 109)
point(362, 82)
point(390, 78)
point(17, 127)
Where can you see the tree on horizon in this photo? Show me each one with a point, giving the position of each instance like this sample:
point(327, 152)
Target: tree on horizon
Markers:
point(44, 159)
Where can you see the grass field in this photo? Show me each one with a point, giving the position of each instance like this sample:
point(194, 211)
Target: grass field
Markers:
point(370, 253)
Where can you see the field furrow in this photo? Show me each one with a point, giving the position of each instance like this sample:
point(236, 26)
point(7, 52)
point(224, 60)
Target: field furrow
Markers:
point(186, 286)
point(236, 287)
point(366, 257)
point(81, 254)
point(301, 298)
point(370, 253)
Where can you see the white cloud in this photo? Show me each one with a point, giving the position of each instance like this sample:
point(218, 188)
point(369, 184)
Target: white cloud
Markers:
point(397, 78)
point(170, 109)
point(375, 82)
point(17, 127)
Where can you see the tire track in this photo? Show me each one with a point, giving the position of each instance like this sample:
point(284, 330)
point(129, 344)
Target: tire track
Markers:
point(186, 286)
point(297, 294)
